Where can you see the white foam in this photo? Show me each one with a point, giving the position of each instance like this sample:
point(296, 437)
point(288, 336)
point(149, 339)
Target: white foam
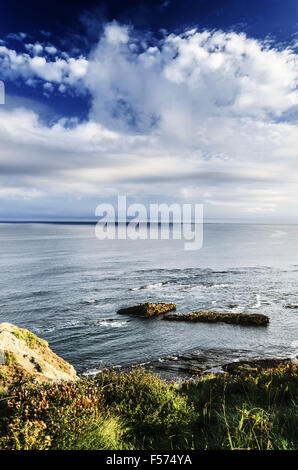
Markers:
point(111, 324)
point(258, 303)
point(221, 285)
point(210, 286)
point(92, 372)
point(149, 286)
point(154, 286)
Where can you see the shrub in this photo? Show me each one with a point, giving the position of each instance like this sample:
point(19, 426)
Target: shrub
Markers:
point(61, 409)
point(155, 411)
point(137, 410)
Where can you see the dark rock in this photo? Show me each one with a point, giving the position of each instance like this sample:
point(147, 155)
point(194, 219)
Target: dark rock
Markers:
point(257, 365)
point(147, 310)
point(213, 317)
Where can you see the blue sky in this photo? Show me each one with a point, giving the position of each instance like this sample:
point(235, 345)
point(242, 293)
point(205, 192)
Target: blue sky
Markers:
point(179, 101)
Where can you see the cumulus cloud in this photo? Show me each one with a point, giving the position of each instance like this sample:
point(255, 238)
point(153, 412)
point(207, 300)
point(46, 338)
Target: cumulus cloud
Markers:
point(33, 66)
point(207, 116)
point(35, 49)
point(51, 50)
point(17, 36)
point(184, 77)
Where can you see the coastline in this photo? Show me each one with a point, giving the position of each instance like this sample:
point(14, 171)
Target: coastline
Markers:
point(250, 405)
point(184, 368)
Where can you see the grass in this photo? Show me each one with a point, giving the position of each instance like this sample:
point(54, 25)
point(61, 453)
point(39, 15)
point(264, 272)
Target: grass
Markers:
point(246, 411)
point(10, 358)
point(137, 410)
point(2, 375)
point(31, 340)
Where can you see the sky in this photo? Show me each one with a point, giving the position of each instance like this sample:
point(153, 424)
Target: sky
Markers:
point(189, 101)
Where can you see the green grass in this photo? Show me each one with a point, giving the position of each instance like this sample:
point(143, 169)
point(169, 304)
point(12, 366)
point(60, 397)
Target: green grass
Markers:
point(246, 411)
point(2, 375)
point(156, 414)
point(10, 358)
point(137, 410)
point(31, 340)
point(17, 334)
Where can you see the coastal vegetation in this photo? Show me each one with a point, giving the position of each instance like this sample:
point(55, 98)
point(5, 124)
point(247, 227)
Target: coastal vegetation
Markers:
point(134, 409)
point(31, 340)
point(27, 357)
point(45, 405)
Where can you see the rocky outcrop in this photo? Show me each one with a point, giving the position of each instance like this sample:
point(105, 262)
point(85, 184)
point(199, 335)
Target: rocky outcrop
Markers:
point(24, 356)
point(147, 310)
point(213, 317)
point(260, 365)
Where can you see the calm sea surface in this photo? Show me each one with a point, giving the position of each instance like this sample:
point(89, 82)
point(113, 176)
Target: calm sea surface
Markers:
point(65, 285)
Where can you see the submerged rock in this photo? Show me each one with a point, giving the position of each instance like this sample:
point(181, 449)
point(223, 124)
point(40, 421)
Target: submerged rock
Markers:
point(147, 310)
point(213, 317)
point(24, 357)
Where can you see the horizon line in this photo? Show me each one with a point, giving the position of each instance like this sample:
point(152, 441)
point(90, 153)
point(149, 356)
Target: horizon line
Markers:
point(94, 222)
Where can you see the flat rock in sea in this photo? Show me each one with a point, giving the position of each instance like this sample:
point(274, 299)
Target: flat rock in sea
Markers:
point(259, 364)
point(147, 310)
point(213, 317)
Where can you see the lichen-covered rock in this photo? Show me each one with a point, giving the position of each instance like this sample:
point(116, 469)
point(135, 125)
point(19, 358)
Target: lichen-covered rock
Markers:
point(213, 317)
point(260, 365)
point(147, 310)
point(24, 356)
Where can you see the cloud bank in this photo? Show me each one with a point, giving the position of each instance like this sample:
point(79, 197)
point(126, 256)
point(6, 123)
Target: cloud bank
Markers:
point(203, 116)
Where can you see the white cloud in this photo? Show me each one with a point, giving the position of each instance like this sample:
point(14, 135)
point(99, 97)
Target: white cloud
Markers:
point(35, 49)
point(65, 70)
point(51, 50)
point(17, 36)
point(116, 34)
point(189, 76)
point(207, 116)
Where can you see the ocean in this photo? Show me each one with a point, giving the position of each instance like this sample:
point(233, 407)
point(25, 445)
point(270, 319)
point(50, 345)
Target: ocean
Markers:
point(65, 285)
